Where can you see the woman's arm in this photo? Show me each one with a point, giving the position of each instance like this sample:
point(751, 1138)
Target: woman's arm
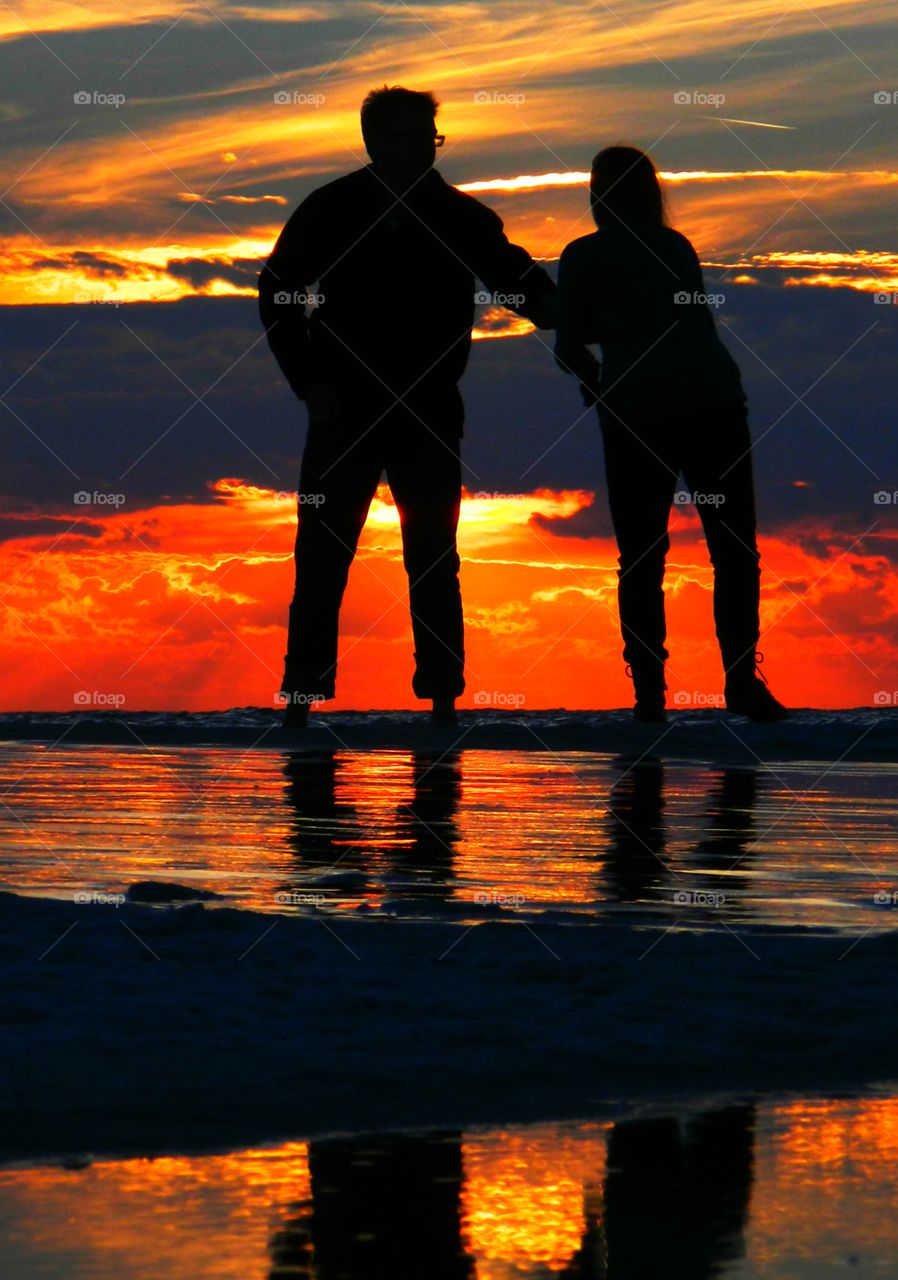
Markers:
point(572, 354)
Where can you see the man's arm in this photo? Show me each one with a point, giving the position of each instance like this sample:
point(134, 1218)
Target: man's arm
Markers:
point(509, 271)
point(286, 279)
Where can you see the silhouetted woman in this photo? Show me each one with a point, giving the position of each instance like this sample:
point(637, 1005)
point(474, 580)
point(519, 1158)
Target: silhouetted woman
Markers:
point(669, 399)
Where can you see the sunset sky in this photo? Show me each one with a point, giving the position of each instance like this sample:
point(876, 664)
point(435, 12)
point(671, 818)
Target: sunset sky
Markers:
point(152, 156)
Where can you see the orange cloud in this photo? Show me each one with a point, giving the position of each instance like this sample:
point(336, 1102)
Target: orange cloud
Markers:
point(184, 606)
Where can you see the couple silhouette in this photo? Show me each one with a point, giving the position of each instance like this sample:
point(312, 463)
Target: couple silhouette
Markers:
point(380, 383)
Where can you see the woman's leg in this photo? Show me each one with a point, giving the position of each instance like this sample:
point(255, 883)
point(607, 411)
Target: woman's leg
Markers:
point(641, 473)
point(717, 467)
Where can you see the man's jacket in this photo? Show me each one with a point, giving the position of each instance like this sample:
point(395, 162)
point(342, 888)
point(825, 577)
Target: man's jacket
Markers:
point(395, 284)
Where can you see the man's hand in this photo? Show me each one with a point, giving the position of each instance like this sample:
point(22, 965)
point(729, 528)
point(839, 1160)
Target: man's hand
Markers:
point(322, 403)
point(545, 315)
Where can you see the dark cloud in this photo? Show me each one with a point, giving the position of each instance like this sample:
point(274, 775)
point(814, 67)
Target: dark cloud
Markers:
point(15, 527)
point(113, 407)
point(202, 271)
point(91, 264)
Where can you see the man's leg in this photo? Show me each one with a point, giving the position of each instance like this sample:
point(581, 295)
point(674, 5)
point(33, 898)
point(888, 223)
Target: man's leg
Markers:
point(641, 474)
point(338, 479)
point(424, 473)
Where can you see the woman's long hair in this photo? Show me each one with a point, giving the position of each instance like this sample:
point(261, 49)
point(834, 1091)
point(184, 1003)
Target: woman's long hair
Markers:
point(624, 189)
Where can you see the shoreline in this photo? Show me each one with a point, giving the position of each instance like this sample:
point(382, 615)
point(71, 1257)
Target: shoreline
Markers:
point(859, 734)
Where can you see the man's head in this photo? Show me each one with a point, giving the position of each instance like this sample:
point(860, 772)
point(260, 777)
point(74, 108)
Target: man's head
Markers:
point(400, 134)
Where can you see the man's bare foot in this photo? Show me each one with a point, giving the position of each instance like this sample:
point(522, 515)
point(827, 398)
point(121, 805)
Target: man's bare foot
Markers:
point(443, 713)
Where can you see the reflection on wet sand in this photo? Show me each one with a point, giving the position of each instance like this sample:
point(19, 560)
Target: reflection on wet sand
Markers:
point(639, 866)
point(380, 1206)
point(677, 1194)
point(467, 833)
point(805, 1187)
point(414, 852)
point(406, 853)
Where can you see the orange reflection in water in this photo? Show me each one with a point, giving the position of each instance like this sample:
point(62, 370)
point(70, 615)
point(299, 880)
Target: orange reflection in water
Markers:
point(815, 1184)
point(528, 1199)
point(827, 1179)
point(169, 1216)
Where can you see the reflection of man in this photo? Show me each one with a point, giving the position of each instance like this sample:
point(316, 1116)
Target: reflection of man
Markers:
point(383, 1207)
point(395, 252)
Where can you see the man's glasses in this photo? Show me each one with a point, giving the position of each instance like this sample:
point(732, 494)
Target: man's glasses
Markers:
point(414, 134)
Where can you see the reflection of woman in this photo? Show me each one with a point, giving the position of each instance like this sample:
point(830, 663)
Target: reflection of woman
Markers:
point(669, 399)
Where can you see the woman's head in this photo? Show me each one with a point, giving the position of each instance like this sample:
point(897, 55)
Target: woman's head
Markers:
point(624, 188)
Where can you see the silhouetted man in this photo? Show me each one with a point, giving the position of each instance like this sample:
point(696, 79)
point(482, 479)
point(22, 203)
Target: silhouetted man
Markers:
point(395, 252)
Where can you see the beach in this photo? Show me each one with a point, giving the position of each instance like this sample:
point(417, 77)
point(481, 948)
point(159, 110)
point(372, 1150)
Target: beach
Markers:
point(220, 947)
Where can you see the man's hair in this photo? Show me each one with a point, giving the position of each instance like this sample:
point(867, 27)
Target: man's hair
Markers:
point(624, 188)
point(380, 106)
